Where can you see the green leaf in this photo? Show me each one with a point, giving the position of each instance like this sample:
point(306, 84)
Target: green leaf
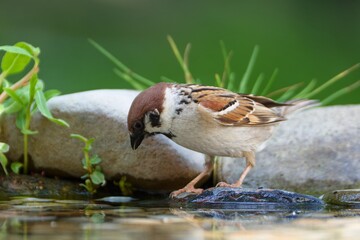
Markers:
point(85, 176)
point(17, 60)
point(51, 93)
point(32, 84)
point(16, 166)
point(83, 162)
point(15, 50)
point(14, 95)
point(13, 107)
point(4, 162)
point(28, 132)
point(20, 119)
point(44, 110)
point(95, 160)
point(4, 147)
point(34, 50)
point(97, 177)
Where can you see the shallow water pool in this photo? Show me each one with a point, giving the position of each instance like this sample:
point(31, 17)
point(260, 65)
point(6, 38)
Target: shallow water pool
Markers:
point(127, 218)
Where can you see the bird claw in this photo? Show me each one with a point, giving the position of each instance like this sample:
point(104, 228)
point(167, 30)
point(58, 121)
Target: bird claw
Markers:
point(224, 184)
point(189, 189)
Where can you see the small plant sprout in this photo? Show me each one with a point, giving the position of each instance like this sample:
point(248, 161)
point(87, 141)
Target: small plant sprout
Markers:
point(25, 96)
point(261, 85)
point(4, 148)
point(94, 176)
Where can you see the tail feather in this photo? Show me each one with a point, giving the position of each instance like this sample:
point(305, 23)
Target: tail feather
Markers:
point(297, 105)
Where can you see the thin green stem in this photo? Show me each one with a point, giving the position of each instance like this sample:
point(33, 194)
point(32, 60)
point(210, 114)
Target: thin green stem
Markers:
point(21, 83)
point(2, 77)
point(333, 80)
point(87, 160)
point(26, 139)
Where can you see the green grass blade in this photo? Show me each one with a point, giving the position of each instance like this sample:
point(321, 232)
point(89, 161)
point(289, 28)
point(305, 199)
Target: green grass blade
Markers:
point(341, 92)
point(246, 77)
point(287, 95)
point(166, 79)
point(270, 82)
point(231, 84)
point(218, 81)
point(183, 64)
point(44, 110)
point(227, 69)
point(135, 84)
point(122, 66)
point(306, 90)
point(257, 84)
point(333, 80)
point(284, 90)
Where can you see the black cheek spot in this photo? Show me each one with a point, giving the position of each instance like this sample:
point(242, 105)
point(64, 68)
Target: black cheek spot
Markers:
point(178, 111)
point(183, 102)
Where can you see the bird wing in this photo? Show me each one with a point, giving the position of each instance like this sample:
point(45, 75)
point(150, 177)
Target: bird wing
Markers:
point(228, 108)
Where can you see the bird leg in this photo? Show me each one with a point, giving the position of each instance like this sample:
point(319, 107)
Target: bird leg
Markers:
point(190, 187)
point(250, 163)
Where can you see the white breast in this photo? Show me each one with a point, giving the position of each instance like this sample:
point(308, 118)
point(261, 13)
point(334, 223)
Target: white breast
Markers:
point(194, 132)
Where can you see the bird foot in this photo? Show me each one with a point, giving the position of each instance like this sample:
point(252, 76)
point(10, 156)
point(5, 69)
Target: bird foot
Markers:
point(224, 184)
point(188, 189)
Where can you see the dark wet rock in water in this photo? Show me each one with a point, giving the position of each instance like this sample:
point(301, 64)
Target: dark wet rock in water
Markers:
point(224, 197)
point(343, 197)
point(39, 186)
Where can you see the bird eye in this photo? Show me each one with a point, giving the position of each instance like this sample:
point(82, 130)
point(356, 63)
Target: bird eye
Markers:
point(138, 125)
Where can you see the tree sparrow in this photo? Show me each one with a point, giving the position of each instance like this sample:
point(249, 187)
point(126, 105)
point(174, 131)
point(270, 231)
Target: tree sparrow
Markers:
point(210, 120)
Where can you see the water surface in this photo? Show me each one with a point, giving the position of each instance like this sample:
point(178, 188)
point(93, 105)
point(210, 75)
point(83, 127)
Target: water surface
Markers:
point(127, 218)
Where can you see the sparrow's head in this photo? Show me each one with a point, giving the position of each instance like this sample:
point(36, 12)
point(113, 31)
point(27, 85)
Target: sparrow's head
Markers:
point(144, 116)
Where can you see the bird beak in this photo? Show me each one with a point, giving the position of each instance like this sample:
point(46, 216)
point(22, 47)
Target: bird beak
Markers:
point(136, 139)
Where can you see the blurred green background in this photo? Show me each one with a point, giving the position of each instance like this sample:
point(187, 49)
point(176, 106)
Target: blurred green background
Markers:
point(304, 39)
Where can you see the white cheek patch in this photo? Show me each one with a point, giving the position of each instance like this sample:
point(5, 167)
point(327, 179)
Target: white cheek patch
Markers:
point(166, 116)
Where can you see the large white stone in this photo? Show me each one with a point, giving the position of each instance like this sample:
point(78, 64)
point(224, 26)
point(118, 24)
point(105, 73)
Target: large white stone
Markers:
point(158, 164)
point(315, 151)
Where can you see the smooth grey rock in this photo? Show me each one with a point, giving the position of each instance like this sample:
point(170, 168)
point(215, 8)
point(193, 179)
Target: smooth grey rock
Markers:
point(225, 197)
point(158, 164)
point(315, 151)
